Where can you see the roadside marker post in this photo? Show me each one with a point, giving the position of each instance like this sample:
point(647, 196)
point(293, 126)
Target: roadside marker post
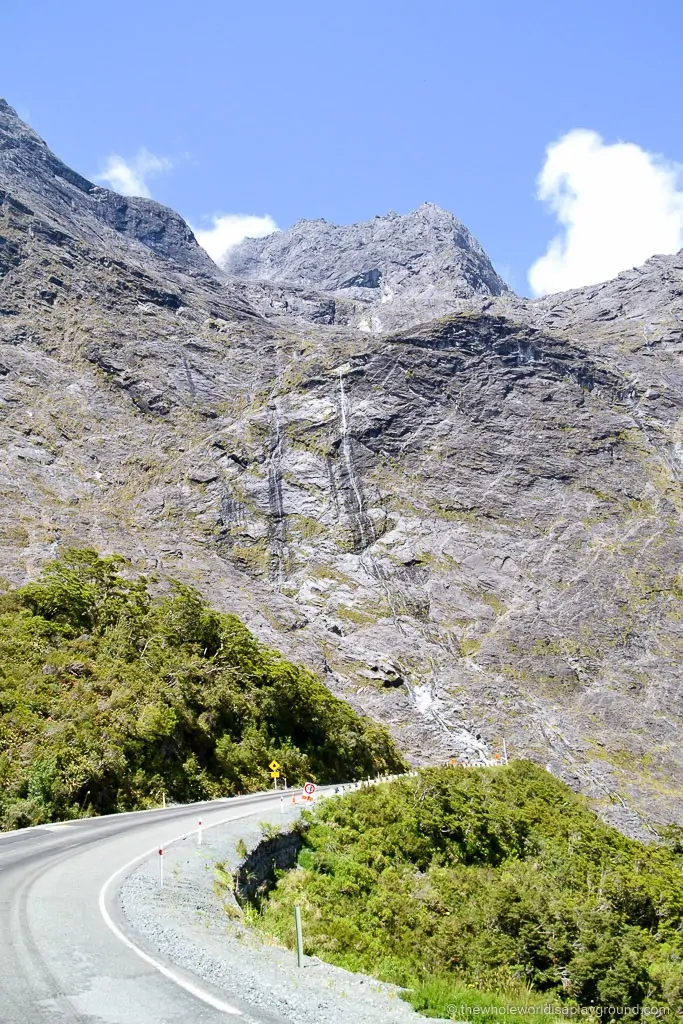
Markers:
point(199, 832)
point(299, 936)
point(161, 867)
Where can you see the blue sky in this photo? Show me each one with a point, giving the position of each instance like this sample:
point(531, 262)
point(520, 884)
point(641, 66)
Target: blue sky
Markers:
point(299, 109)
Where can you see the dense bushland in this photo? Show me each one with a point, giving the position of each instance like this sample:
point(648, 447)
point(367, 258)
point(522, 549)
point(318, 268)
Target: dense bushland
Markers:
point(487, 887)
point(110, 696)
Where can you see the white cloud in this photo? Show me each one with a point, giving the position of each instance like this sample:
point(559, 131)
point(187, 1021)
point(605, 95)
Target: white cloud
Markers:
point(230, 229)
point(130, 177)
point(617, 205)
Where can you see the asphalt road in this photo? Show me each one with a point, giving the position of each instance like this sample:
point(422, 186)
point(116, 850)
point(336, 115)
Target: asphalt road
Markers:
point(64, 953)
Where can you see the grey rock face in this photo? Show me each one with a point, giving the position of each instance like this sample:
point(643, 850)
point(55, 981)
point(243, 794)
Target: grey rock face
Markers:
point(470, 527)
point(384, 272)
point(256, 871)
point(33, 174)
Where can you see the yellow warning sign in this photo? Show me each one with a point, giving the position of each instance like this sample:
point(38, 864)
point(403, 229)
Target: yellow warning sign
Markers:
point(274, 765)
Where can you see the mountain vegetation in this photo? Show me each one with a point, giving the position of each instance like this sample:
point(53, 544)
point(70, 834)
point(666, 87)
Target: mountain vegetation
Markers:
point(111, 696)
point(485, 889)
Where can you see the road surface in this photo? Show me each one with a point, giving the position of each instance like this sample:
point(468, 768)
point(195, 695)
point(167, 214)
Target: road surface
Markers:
point(65, 954)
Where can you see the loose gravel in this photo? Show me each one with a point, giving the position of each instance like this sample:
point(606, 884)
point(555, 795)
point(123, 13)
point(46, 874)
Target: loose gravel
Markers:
point(187, 922)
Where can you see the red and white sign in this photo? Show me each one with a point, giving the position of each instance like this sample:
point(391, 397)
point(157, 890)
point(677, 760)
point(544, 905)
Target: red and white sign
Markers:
point(309, 788)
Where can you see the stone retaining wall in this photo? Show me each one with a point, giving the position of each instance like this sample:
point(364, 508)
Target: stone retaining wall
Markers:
point(255, 875)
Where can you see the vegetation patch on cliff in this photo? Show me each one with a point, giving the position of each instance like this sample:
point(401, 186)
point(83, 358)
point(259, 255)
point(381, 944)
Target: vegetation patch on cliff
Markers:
point(111, 697)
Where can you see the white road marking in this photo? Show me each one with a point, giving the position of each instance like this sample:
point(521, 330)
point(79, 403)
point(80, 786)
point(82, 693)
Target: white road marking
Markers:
point(189, 986)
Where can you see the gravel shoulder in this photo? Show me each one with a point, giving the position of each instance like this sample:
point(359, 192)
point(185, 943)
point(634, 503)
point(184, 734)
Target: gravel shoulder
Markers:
point(186, 921)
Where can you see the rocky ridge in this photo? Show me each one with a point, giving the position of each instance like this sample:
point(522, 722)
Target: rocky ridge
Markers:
point(470, 526)
point(35, 176)
point(375, 276)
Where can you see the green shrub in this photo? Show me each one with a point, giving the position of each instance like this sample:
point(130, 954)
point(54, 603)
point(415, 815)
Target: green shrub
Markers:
point(110, 697)
point(497, 883)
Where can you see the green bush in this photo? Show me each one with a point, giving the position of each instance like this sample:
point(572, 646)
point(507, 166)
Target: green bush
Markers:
point(110, 697)
point(496, 883)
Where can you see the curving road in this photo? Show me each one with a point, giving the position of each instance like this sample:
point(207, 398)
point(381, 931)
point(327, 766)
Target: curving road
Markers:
point(64, 954)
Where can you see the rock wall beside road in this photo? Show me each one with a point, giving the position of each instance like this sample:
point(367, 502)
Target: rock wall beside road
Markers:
point(256, 873)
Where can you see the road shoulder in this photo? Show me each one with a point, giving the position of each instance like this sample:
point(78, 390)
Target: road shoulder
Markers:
point(186, 922)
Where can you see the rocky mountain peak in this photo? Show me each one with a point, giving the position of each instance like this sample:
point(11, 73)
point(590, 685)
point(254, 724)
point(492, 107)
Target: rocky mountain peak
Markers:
point(415, 265)
point(30, 172)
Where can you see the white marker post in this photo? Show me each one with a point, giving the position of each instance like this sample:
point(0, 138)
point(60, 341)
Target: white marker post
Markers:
point(505, 750)
point(299, 937)
point(161, 867)
point(199, 832)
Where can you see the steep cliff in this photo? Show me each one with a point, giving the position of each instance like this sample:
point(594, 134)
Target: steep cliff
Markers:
point(35, 176)
point(469, 526)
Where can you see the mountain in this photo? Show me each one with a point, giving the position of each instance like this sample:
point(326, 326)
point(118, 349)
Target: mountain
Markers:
point(34, 176)
point(385, 272)
point(469, 525)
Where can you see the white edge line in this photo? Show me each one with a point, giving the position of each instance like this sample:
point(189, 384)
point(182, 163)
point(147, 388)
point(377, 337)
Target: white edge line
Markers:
point(193, 989)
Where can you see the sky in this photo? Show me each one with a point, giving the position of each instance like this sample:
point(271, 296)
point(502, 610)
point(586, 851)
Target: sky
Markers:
point(551, 129)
